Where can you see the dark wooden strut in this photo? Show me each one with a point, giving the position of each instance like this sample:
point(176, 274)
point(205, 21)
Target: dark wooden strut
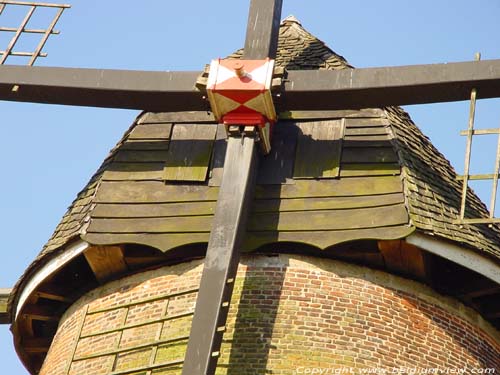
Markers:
point(303, 90)
point(231, 212)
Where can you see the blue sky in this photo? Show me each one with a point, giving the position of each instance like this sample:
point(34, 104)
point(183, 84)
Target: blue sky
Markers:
point(49, 152)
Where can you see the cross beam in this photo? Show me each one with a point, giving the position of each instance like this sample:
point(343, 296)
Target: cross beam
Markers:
point(303, 90)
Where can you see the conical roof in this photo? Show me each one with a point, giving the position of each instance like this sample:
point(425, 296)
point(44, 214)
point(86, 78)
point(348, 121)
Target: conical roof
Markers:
point(332, 177)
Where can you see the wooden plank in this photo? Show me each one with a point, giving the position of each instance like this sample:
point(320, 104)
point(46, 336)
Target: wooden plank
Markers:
point(153, 192)
point(144, 145)
point(134, 172)
point(177, 117)
point(156, 192)
point(332, 188)
point(367, 130)
point(389, 86)
point(183, 224)
point(189, 152)
point(356, 142)
point(142, 210)
point(325, 239)
point(367, 138)
point(221, 262)
point(316, 204)
point(141, 156)
point(371, 217)
point(158, 210)
point(262, 29)
point(318, 138)
point(367, 122)
point(369, 155)
point(106, 262)
point(338, 114)
point(151, 131)
point(375, 169)
point(277, 166)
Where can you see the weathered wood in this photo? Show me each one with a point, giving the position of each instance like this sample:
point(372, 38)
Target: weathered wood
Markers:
point(134, 172)
point(144, 145)
point(330, 220)
point(325, 239)
point(375, 169)
point(156, 192)
point(369, 155)
point(151, 131)
point(477, 287)
point(315, 204)
point(389, 86)
point(158, 241)
point(153, 91)
point(366, 130)
point(367, 138)
point(262, 29)
point(153, 192)
point(253, 240)
point(189, 152)
point(190, 224)
point(277, 166)
point(368, 121)
point(338, 114)
point(318, 138)
point(221, 261)
point(106, 262)
point(195, 117)
point(141, 156)
point(331, 188)
point(295, 220)
point(143, 210)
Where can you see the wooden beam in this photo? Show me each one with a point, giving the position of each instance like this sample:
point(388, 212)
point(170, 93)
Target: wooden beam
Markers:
point(4, 298)
point(36, 345)
point(386, 86)
point(36, 312)
point(221, 261)
point(106, 262)
point(52, 292)
point(262, 29)
point(459, 255)
point(143, 90)
point(303, 90)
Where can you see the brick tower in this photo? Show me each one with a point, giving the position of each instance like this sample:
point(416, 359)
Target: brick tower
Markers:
point(352, 258)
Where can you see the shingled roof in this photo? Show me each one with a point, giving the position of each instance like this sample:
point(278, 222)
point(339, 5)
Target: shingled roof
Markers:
point(378, 177)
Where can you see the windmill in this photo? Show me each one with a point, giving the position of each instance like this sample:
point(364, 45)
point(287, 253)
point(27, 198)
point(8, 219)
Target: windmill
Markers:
point(300, 90)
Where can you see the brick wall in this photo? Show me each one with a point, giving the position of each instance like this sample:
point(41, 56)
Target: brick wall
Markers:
point(289, 315)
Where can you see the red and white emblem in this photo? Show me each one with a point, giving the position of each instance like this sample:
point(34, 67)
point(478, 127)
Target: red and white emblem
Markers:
point(240, 91)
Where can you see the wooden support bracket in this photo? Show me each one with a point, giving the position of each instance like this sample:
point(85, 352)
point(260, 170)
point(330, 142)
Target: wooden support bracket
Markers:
point(4, 297)
point(106, 262)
